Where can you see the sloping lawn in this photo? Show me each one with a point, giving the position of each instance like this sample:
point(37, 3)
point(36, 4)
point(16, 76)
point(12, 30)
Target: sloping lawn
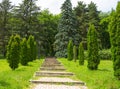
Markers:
point(102, 78)
point(18, 79)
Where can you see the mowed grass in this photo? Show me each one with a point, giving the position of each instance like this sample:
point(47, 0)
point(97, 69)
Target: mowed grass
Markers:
point(18, 79)
point(103, 78)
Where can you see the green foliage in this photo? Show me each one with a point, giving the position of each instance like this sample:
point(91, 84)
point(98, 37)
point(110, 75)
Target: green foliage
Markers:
point(5, 8)
point(114, 28)
point(74, 53)
point(105, 54)
point(31, 44)
point(102, 78)
point(81, 54)
point(70, 51)
point(13, 52)
point(24, 52)
point(93, 57)
point(66, 30)
point(47, 32)
point(18, 79)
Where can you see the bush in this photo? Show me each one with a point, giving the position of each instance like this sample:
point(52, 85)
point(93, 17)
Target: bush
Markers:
point(24, 52)
point(81, 54)
point(70, 50)
point(75, 53)
point(92, 41)
point(105, 54)
point(13, 51)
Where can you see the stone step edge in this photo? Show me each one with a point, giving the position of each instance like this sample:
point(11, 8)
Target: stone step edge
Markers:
point(54, 82)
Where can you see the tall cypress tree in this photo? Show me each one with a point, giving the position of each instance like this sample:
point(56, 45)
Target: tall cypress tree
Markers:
point(92, 41)
point(13, 52)
point(66, 30)
point(81, 54)
point(70, 51)
point(114, 28)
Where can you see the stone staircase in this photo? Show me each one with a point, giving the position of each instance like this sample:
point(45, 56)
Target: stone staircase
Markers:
point(52, 75)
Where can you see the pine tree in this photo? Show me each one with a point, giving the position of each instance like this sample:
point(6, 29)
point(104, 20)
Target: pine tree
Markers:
point(92, 41)
point(13, 52)
point(5, 8)
point(70, 51)
point(81, 54)
point(114, 28)
point(27, 13)
point(74, 53)
point(24, 52)
point(66, 30)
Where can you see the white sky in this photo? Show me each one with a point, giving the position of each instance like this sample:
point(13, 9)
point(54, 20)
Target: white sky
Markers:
point(54, 5)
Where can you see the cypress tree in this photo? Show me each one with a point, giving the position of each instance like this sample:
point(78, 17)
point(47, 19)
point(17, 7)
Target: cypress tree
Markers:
point(24, 52)
point(92, 41)
point(9, 47)
point(114, 28)
point(13, 52)
point(74, 53)
point(66, 30)
point(30, 43)
point(70, 50)
point(81, 54)
point(35, 50)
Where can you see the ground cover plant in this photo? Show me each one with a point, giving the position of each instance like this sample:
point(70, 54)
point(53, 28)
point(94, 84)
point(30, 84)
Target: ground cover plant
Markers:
point(103, 78)
point(19, 78)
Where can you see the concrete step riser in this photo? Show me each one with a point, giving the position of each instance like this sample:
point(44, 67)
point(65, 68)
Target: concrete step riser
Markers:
point(64, 83)
point(45, 69)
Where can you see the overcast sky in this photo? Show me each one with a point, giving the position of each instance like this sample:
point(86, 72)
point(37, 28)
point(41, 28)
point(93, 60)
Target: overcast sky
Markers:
point(54, 5)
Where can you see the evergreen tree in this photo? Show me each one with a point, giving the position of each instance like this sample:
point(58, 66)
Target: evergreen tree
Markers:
point(74, 53)
point(5, 8)
point(30, 43)
point(66, 30)
point(81, 13)
point(13, 52)
point(24, 52)
point(81, 54)
point(35, 51)
point(114, 28)
point(70, 51)
point(92, 41)
point(9, 47)
point(27, 13)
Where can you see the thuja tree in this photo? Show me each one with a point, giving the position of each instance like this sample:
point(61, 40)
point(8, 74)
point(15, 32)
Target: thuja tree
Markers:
point(81, 54)
point(66, 30)
point(13, 52)
point(74, 53)
point(32, 48)
point(92, 41)
point(70, 50)
point(114, 28)
point(24, 52)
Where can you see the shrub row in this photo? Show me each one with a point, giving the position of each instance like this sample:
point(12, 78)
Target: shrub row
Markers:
point(20, 52)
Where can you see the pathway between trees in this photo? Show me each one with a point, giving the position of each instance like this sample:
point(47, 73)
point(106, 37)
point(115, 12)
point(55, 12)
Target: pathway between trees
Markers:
point(52, 75)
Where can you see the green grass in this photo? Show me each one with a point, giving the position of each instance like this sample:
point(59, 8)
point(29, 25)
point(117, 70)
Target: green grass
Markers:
point(103, 78)
point(18, 79)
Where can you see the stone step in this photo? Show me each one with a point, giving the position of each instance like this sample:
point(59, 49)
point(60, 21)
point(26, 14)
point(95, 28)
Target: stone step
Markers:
point(53, 68)
point(53, 73)
point(55, 80)
point(53, 86)
point(51, 65)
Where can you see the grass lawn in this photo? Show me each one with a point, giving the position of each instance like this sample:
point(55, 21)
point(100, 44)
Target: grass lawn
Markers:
point(102, 78)
point(18, 79)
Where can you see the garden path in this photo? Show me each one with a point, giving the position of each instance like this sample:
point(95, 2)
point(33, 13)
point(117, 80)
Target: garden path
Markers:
point(52, 75)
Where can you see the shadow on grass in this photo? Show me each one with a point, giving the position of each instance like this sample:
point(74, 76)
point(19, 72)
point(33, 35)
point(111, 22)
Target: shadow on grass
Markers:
point(4, 83)
point(104, 70)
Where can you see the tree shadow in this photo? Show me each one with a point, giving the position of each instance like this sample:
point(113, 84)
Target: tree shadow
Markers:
point(4, 83)
point(104, 70)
